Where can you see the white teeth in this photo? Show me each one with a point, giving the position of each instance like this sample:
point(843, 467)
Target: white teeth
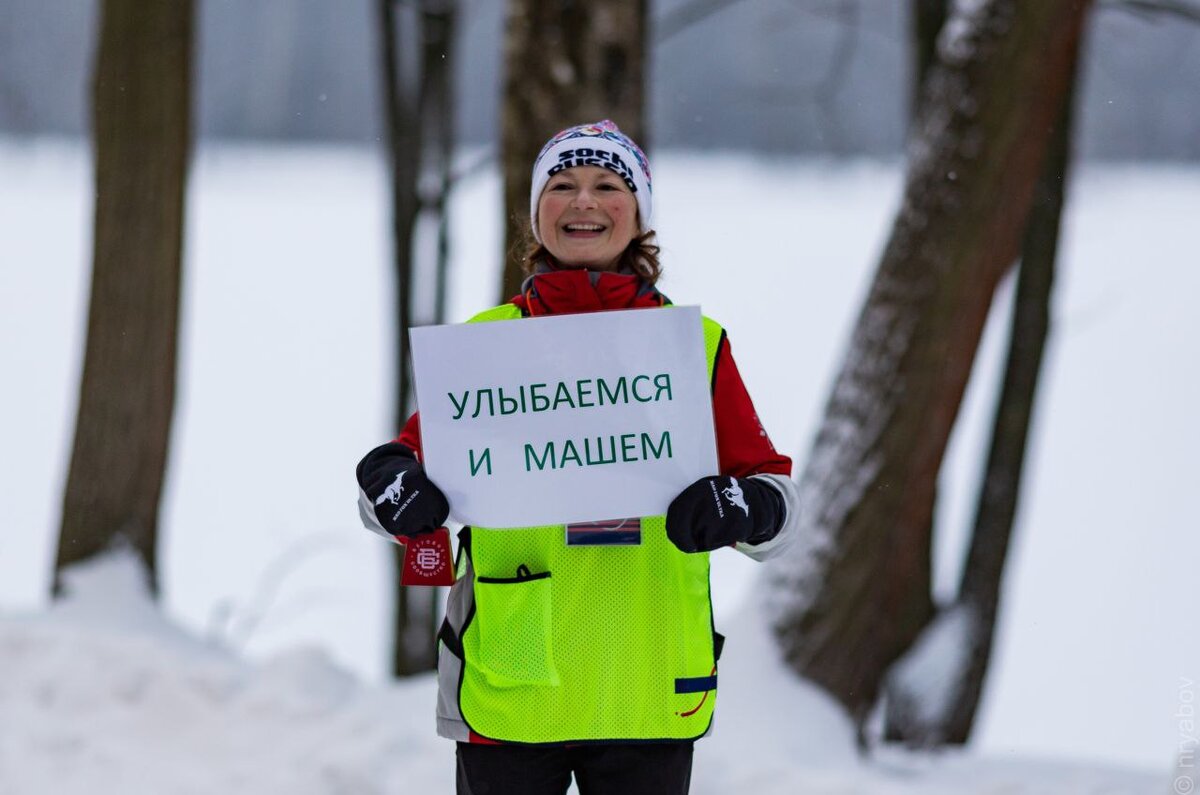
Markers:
point(584, 227)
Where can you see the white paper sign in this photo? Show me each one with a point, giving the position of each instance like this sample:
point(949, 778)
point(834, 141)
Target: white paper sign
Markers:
point(571, 418)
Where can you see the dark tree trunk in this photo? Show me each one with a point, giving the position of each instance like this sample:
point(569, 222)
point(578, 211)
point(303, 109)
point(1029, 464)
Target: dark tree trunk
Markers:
point(436, 112)
point(856, 591)
point(928, 17)
point(141, 115)
point(418, 103)
point(976, 607)
point(403, 135)
point(983, 574)
point(404, 146)
point(566, 63)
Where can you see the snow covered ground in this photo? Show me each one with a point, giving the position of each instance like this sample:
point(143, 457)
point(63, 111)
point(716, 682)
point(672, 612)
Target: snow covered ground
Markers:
point(265, 672)
point(102, 694)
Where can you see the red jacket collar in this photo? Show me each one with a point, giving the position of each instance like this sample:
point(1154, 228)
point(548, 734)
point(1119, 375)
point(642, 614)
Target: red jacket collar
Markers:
point(565, 292)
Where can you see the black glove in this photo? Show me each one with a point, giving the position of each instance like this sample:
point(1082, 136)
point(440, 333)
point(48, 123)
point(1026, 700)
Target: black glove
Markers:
point(406, 501)
point(718, 511)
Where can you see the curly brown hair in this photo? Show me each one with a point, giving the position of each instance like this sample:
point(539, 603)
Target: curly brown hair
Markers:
point(640, 256)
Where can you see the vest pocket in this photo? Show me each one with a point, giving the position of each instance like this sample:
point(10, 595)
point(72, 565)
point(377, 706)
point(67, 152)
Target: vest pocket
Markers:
point(513, 615)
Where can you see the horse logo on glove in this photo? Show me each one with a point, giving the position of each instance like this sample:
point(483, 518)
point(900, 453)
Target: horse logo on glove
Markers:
point(733, 492)
point(395, 491)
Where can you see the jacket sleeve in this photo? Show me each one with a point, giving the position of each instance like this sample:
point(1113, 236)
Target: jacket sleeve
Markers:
point(745, 450)
point(410, 437)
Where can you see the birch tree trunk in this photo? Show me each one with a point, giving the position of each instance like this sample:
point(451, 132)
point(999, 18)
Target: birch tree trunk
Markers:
point(854, 593)
point(141, 96)
point(566, 64)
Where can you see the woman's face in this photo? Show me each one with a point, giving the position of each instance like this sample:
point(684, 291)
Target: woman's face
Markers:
point(586, 217)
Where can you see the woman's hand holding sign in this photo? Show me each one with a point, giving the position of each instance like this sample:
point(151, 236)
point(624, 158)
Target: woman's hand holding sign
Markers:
point(717, 511)
point(406, 501)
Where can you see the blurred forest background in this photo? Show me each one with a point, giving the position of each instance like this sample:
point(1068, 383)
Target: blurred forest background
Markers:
point(782, 76)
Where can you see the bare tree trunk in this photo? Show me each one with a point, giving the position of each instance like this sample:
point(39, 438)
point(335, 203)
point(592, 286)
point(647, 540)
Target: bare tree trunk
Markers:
point(983, 574)
point(436, 111)
point(141, 115)
point(928, 17)
point(403, 135)
point(435, 105)
point(915, 715)
point(567, 63)
point(404, 146)
point(855, 592)
point(419, 115)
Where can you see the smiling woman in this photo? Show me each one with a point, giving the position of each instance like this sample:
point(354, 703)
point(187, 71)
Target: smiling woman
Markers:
point(589, 649)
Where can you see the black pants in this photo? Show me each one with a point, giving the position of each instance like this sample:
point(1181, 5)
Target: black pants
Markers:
point(657, 768)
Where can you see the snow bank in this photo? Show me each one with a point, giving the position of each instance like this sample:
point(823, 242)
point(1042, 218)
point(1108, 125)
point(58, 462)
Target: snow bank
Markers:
point(101, 694)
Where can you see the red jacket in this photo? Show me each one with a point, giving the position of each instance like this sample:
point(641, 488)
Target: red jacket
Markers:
point(743, 447)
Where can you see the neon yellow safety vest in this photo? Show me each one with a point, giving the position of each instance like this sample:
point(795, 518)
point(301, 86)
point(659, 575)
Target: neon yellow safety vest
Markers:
point(585, 643)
